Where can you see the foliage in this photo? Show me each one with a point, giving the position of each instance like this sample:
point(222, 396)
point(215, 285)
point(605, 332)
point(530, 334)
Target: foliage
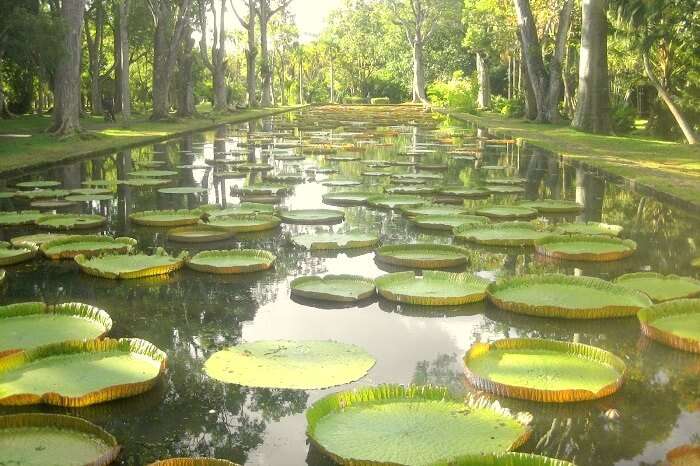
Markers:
point(509, 108)
point(623, 117)
point(459, 93)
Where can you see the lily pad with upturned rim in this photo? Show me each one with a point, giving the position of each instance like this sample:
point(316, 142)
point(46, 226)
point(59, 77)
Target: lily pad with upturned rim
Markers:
point(312, 216)
point(422, 255)
point(509, 212)
point(153, 173)
point(336, 241)
point(24, 217)
point(564, 296)
point(509, 234)
point(232, 261)
point(447, 222)
point(504, 189)
point(131, 266)
point(544, 370)
point(198, 461)
point(673, 323)
point(434, 288)
point(659, 287)
point(166, 218)
point(44, 193)
point(87, 245)
point(213, 211)
point(80, 373)
point(10, 256)
point(347, 198)
point(417, 425)
point(32, 241)
point(89, 197)
point(183, 190)
point(199, 234)
point(420, 189)
point(38, 184)
point(336, 288)
point(465, 192)
point(506, 181)
point(41, 439)
point(395, 201)
point(71, 221)
point(144, 182)
point(90, 191)
point(588, 228)
point(243, 223)
point(508, 459)
point(52, 204)
point(552, 206)
point(585, 248)
point(433, 209)
point(300, 365)
point(341, 183)
point(24, 326)
point(417, 176)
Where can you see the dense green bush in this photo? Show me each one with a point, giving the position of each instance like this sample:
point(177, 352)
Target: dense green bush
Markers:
point(458, 93)
point(354, 100)
point(622, 117)
point(380, 101)
point(509, 108)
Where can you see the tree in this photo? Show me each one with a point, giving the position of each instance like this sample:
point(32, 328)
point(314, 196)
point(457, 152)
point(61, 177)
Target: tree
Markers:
point(266, 10)
point(95, 44)
point(218, 63)
point(185, 79)
point(593, 107)
point(121, 53)
point(252, 50)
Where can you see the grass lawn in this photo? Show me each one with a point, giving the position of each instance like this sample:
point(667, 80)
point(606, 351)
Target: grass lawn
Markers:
point(24, 144)
point(668, 167)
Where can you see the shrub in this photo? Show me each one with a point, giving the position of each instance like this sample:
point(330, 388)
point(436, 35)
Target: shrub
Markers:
point(380, 101)
point(509, 108)
point(354, 100)
point(622, 117)
point(458, 93)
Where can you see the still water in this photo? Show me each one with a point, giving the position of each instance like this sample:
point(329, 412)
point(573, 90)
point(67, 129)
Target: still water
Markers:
point(191, 315)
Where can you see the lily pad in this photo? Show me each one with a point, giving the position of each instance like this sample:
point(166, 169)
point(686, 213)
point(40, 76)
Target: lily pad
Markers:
point(586, 248)
point(270, 189)
point(233, 261)
point(422, 255)
point(502, 189)
point(447, 222)
point(80, 373)
point(25, 326)
point(336, 241)
point(568, 297)
point(34, 241)
point(417, 176)
point(213, 211)
point(25, 217)
point(336, 288)
point(199, 234)
point(433, 209)
point(506, 181)
point(588, 228)
point(90, 191)
point(674, 323)
point(661, 287)
point(254, 167)
point(183, 190)
point(128, 266)
point(38, 184)
point(301, 365)
point(193, 462)
point(9, 256)
point(7, 194)
point(347, 198)
point(98, 183)
point(87, 245)
point(417, 425)
point(508, 459)
point(552, 206)
point(514, 234)
point(166, 218)
point(395, 201)
point(43, 439)
point(434, 288)
point(71, 221)
point(544, 370)
point(341, 183)
point(242, 223)
point(153, 173)
point(144, 182)
point(465, 192)
point(52, 204)
point(342, 158)
point(89, 197)
point(411, 189)
point(312, 216)
point(510, 212)
point(376, 174)
point(43, 193)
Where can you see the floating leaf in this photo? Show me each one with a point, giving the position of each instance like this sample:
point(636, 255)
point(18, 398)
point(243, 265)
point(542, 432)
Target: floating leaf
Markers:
point(586, 248)
point(497, 189)
point(199, 234)
point(447, 222)
point(241, 223)
point(89, 197)
point(337, 288)
point(396, 201)
point(166, 218)
point(336, 241)
point(43, 193)
point(38, 184)
point(71, 221)
point(153, 173)
point(183, 190)
point(90, 191)
point(661, 287)
point(514, 234)
point(25, 217)
point(552, 206)
point(507, 212)
point(233, 261)
point(588, 228)
point(194, 462)
point(674, 323)
point(9, 256)
point(347, 198)
point(465, 192)
point(126, 266)
point(144, 182)
point(433, 209)
point(434, 288)
point(32, 241)
point(88, 245)
point(312, 216)
point(411, 189)
point(422, 255)
point(341, 183)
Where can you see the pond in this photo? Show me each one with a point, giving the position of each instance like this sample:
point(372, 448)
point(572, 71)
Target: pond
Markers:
point(191, 315)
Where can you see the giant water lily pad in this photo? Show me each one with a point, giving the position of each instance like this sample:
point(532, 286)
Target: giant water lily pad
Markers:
point(89, 197)
point(588, 228)
point(417, 176)
point(144, 182)
point(417, 425)
point(33, 241)
point(265, 189)
point(194, 462)
point(503, 189)
point(129, 266)
point(419, 189)
point(153, 173)
point(661, 287)
point(552, 206)
point(544, 370)
point(303, 365)
point(341, 183)
point(313, 216)
point(507, 212)
point(52, 204)
point(336, 241)
point(80, 373)
point(506, 181)
point(569, 297)
point(24, 217)
point(213, 211)
point(422, 255)
point(433, 209)
point(508, 459)
point(38, 184)
point(232, 261)
point(513, 234)
point(166, 218)
point(674, 323)
point(337, 288)
point(87, 245)
point(183, 190)
point(465, 192)
point(199, 234)
point(447, 222)
point(50, 439)
point(12, 256)
point(25, 326)
point(71, 221)
point(586, 248)
point(90, 191)
point(43, 193)
point(434, 288)
point(242, 223)
point(347, 198)
point(395, 201)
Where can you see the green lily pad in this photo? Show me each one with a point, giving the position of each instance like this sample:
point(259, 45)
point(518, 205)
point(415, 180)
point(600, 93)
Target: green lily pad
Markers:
point(506, 181)
point(88, 245)
point(447, 222)
point(376, 174)
point(674, 323)
point(280, 178)
point(52, 204)
point(341, 183)
point(199, 234)
point(432, 166)
point(569, 297)
point(43, 193)
point(515, 234)
point(417, 425)
point(25, 326)
point(336, 241)
point(34, 241)
point(9, 256)
point(411, 189)
point(144, 182)
point(544, 370)
point(98, 183)
point(129, 266)
point(433, 209)
point(507, 212)
point(465, 192)
point(347, 198)
point(271, 189)
point(38, 184)
point(417, 176)
point(43, 439)
point(153, 173)
point(183, 190)
point(242, 223)
point(25, 217)
point(503, 189)
point(586, 248)
point(71, 221)
point(434, 288)
point(151, 163)
point(302, 365)
point(336, 288)
point(243, 208)
point(588, 228)
point(89, 197)
point(7, 194)
point(342, 158)
point(322, 171)
point(194, 462)
point(422, 256)
point(659, 287)
point(493, 167)
point(90, 191)
point(232, 261)
point(312, 216)
point(395, 201)
point(80, 373)
point(551, 206)
point(166, 218)
point(254, 167)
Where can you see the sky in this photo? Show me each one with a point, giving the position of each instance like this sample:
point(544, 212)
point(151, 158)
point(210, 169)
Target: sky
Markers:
point(311, 15)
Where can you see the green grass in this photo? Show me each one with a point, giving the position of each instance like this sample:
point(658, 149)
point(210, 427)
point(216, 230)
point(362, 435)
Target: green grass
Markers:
point(25, 144)
point(665, 166)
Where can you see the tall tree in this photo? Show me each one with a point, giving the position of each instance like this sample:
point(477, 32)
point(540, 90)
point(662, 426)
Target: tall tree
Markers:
point(121, 48)
point(251, 51)
point(170, 20)
point(66, 113)
point(94, 38)
point(185, 79)
point(217, 64)
point(593, 106)
point(266, 10)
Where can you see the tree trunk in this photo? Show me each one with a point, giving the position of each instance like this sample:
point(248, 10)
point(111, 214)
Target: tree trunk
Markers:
point(217, 64)
point(66, 114)
point(123, 96)
point(532, 56)
point(94, 46)
point(185, 82)
point(265, 70)
point(555, 66)
point(250, 56)
point(690, 135)
point(4, 111)
point(418, 71)
point(593, 107)
point(482, 73)
point(527, 91)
